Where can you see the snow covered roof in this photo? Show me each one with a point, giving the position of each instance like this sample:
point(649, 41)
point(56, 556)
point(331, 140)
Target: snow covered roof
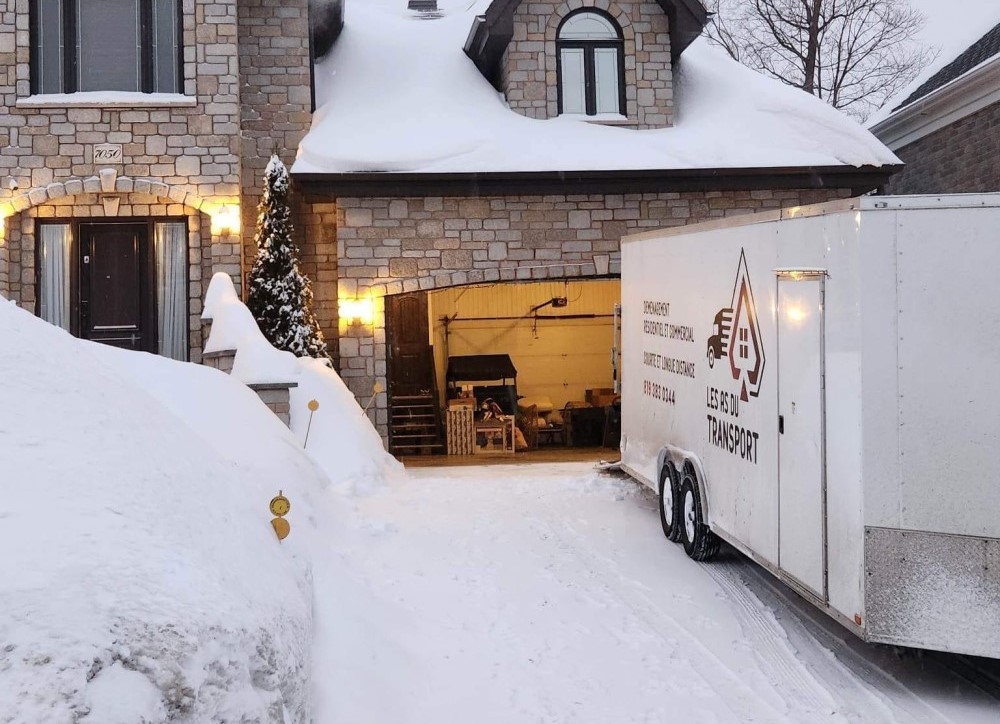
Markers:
point(398, 95)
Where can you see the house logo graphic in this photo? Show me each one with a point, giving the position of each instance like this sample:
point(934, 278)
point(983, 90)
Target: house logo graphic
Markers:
point(736, 336)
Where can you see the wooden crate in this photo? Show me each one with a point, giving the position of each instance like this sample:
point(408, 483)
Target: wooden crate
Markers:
point(461, 431)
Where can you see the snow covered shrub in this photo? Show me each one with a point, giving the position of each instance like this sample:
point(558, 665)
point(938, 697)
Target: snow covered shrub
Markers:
point(280, 295)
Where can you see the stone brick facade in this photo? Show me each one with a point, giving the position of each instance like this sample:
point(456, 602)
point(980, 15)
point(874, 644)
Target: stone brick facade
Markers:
point(528, 68)
point(963, 157)
point(392, 245)
point(275, 93)
point(246, 92)
point(180, 153)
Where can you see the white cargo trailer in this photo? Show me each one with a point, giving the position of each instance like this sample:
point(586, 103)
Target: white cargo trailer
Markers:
point(820, 387)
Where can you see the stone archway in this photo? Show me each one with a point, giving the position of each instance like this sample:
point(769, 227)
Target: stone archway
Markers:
point(109, 195)
point(107, 181)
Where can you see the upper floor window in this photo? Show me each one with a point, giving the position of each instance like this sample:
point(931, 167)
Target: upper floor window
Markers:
point(106, 45)
point(591, 65)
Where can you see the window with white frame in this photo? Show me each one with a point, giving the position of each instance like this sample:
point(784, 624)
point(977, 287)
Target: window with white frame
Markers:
point(591, 65)
point(106, 45)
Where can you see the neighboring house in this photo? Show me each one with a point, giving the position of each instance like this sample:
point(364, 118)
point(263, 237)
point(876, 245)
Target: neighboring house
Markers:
point(947, 131)
point(131, 133)
point(519, 142)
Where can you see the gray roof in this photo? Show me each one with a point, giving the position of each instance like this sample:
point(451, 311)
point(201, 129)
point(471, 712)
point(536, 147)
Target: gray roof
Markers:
point(977, 53)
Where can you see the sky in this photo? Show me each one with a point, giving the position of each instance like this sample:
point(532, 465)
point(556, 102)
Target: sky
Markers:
point(951, 27)
point(956, 20)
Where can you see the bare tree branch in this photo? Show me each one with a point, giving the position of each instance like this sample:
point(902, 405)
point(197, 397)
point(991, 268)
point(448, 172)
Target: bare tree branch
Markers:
point(854, 54)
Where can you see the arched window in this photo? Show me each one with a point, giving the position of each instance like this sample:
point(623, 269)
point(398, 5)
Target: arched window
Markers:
point(591, 65)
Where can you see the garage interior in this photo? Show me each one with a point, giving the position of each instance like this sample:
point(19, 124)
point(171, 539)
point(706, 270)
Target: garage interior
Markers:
point(504, 369)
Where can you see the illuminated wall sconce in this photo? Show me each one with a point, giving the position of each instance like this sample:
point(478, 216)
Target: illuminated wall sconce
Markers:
point(226, 220)
point(357, 312)
point(602, 263)
point(6, 211)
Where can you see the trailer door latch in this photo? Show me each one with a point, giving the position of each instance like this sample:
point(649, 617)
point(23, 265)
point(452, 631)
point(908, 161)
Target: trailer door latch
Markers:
point(781, 424)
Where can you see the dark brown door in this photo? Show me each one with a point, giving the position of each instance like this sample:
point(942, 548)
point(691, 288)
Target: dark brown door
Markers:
point(114, 261)
point(411, 361)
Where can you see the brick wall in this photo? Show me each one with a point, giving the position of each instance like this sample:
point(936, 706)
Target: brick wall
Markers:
point(183, 153)
point(275, 96)
point(528, 68)
point(318, 257)
point(393, 245)
point(961, 158)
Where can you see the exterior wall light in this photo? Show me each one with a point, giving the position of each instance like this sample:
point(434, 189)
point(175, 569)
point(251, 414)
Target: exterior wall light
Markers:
point(6, 211)
point(357, 311)
point(226, 220)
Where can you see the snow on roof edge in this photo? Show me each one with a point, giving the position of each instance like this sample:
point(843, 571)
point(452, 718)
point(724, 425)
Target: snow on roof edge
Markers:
point(422, 107)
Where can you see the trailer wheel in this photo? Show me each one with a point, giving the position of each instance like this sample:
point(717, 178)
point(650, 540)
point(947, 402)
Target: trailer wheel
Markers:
point(711, 358)
point(699, 542)
point(670, 517)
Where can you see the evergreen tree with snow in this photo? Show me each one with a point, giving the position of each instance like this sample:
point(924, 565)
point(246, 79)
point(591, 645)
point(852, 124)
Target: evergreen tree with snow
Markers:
point(280, 295)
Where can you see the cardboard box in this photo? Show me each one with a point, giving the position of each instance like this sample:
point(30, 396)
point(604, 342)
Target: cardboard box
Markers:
point(600, 396)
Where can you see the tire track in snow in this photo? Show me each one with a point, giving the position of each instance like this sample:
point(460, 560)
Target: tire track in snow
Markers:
point(773, 650)
point(745, 704)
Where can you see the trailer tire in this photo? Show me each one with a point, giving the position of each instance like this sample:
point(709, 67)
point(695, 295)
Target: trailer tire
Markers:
point(700, 543)
point(670, 517)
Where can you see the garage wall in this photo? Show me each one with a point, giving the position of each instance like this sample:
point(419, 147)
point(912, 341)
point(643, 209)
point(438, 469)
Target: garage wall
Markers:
point(559, 358)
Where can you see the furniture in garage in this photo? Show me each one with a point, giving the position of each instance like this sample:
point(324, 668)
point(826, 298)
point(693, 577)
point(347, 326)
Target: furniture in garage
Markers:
point(495, 436)
point(493, 376)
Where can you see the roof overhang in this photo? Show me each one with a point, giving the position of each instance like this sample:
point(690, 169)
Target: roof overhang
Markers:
point(492, 31)
point(361, 185)
point(972, 92)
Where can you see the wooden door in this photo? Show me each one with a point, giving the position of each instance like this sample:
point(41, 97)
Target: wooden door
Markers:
point(115, 281)
point(410, 366)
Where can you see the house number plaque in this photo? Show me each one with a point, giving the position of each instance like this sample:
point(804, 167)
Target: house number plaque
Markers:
point(108, 153)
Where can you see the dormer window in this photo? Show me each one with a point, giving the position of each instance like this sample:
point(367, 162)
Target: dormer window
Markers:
point(105, 45)
point(591, 65)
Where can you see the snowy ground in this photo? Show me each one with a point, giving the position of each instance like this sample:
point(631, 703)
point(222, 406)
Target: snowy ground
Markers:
point(548, 594)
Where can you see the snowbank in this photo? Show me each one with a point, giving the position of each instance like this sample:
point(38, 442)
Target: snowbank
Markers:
point(398, 94)
point(141, 580)
point(341, 440)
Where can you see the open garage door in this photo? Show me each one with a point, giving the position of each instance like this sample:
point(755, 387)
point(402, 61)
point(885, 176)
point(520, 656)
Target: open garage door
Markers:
point(557, 334)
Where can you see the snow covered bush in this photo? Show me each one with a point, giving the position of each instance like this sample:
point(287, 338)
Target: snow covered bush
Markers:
point(280, 295)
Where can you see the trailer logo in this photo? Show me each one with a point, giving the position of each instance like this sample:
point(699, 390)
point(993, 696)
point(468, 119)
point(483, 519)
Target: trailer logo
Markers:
point(736, 336)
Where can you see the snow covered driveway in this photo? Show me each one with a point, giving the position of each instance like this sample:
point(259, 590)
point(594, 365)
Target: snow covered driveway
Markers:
point(548, 594)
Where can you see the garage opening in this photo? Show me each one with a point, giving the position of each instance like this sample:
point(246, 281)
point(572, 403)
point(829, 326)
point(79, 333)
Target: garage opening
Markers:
point(506, 369)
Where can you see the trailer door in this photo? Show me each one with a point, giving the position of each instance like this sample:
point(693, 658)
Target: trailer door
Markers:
point(801, 429)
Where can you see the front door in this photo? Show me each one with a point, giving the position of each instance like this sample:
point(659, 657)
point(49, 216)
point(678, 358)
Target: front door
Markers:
point(114, 283)
point(801, 431)
point(411, 360)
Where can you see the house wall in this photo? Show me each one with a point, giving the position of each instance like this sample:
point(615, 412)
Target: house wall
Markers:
point(961, 158)
point(181, 155)
point(275, 95)
point(528, 67)
point(393, 245)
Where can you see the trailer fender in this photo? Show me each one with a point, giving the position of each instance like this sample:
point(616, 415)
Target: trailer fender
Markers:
point(687, 461)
